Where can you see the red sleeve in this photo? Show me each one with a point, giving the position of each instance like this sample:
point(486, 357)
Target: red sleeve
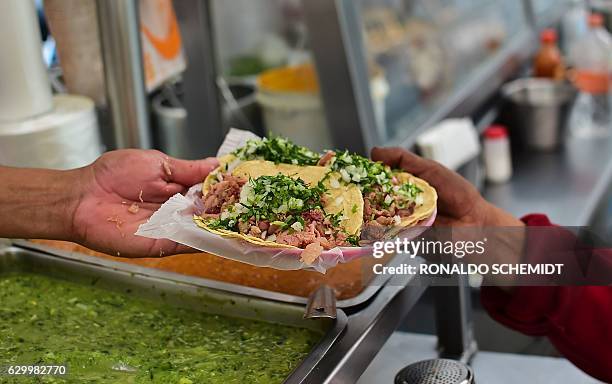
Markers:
point(576, 319)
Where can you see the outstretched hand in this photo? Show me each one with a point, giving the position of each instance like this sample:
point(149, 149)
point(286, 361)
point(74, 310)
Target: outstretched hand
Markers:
point(121, 190)
point(459, 202)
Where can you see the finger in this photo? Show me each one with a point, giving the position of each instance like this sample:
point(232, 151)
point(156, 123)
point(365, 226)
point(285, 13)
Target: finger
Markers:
point(157, 192)
point(163, 248)
point(455, 194)
point(189, 172)
point(402, 159)
point(168, 190)
point(181, 249)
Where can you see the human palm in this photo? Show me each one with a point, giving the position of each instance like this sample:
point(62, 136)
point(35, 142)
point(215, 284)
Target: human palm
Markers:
point(121, 190)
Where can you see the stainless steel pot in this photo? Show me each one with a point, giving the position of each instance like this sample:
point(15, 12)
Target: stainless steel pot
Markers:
point(537, 111)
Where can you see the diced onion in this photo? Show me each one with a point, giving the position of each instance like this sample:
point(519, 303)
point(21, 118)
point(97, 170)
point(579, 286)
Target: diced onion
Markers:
point(345, 176)
point(297, 226)
point(419, 200)
point(245, 194)
point(334, 183)
point(282, 209)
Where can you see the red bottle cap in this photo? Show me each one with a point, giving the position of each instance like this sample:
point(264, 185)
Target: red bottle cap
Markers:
point(596, 20)
point(496, 132)
point(548, 36)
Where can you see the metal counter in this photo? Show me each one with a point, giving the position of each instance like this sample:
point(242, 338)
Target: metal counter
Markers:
point(373, 285)
point(567, 185)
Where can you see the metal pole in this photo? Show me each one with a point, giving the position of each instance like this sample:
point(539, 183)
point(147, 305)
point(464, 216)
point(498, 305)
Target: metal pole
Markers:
point(204, 117)
point(124, 72)
point(337, 45)
point(454, 324)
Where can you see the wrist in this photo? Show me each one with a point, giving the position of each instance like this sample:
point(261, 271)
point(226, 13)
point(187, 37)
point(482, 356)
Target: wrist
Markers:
point(497, 217)
point(38, 203)
point(74, 184)
point(56, 207)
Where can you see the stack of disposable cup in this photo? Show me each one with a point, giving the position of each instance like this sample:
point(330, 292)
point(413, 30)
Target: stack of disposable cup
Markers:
point(65, 138)
point(37, 129)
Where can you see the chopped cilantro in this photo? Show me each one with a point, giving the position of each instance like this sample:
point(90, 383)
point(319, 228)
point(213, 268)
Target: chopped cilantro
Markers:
point(353, 240)
point(272, 198)
point(361, 171)
point(278, 150)
point(335, 218)
point(354, 209)
point(409, 191)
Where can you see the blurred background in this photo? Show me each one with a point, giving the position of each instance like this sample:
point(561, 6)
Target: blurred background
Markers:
point(514, 95)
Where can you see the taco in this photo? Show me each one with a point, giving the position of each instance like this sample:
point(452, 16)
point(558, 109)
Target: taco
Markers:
point(393, 199)
point(274, 193)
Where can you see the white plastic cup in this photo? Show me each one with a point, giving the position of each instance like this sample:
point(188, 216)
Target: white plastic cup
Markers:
point(25, 90)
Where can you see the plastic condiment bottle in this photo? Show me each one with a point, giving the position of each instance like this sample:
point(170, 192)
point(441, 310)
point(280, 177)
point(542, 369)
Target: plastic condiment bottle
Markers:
point(497, 157)
point(549, 62)
point(591, 57)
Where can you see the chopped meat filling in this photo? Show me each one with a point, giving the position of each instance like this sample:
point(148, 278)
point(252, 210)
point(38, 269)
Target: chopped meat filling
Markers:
point(311, 253)
point(313, 232)
point(223, 193)
point(326, 158)
point(317, 229)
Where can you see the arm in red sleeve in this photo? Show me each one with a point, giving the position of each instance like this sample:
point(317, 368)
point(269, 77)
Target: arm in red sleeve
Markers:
point(577, 319)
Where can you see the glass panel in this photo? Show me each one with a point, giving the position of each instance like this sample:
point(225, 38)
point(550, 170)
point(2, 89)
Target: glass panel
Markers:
point(267, 80)
point(428, 49)
point(544, 9)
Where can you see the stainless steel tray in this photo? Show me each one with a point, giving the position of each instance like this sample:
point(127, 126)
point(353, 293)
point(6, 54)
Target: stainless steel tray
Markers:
point(177, 290)
point(364, 296)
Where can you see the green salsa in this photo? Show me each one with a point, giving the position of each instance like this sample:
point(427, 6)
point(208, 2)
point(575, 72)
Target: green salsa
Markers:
point(107, 337)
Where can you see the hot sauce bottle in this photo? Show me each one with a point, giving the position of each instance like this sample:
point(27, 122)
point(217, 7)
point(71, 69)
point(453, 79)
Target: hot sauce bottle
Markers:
point(549, 62)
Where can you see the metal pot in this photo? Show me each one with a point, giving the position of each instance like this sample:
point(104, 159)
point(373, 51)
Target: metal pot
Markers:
point(537, 112)
point(170, 127)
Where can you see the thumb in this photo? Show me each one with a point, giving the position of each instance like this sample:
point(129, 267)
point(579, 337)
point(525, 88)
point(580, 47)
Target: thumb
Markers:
point(190, 172)
point(401, 159)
